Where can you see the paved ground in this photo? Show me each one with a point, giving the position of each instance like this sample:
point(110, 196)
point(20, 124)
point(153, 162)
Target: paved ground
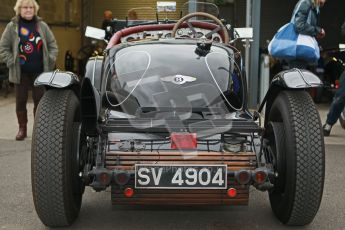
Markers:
point(17, 209)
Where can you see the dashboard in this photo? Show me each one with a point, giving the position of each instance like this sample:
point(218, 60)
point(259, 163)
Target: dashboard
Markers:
point(161, 34)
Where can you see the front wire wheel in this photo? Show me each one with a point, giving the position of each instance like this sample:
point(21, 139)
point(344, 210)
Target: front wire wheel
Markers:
point(300, 159)
point(57, 187)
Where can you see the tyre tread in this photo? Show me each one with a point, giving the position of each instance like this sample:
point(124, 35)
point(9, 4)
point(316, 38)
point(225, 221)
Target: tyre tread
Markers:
point(304, 154)
point(310, 158)
point(49, 163)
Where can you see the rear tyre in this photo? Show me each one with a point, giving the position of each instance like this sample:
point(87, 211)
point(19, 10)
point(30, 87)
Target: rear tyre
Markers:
point(342, 119)
point(56, 185)
point(300, 159)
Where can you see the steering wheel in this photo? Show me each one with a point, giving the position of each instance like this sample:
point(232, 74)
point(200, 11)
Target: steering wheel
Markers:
point(220, 26)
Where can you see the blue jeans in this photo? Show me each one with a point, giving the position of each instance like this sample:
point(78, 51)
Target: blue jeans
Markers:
point(338, 102)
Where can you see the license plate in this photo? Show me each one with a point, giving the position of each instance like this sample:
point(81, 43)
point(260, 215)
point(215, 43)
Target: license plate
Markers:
point(180, 176)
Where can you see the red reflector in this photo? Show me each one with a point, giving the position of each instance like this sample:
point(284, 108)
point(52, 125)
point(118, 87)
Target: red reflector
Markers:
point(232, 192)
point(183, 141)
point(260, 177)
point(128, 192)
point(337, 84)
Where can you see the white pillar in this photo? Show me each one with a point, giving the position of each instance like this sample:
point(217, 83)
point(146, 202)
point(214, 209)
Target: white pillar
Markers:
point(264, 75)
point(247, 44)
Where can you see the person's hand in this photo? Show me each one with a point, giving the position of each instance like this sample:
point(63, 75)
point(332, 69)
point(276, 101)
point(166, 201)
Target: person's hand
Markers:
point(321, 35)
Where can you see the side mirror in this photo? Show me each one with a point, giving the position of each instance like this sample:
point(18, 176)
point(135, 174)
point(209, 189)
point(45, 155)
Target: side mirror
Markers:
point(92, 32)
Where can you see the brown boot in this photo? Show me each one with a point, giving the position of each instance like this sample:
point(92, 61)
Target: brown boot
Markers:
point(22, 121)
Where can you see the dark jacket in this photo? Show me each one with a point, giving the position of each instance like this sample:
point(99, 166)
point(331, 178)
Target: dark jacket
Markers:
point(307, 18)
point(9, 48)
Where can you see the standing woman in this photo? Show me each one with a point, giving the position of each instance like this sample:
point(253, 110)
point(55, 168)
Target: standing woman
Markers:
point(307, 18)
point(28, 47)
point(307, 22)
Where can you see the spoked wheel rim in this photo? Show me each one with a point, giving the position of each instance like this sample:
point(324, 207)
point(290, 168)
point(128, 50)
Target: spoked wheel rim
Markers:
point(79, 163)
point(274, 136)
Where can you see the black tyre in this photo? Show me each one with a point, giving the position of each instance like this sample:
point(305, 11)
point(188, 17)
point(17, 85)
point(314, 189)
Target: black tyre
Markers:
point(56, 185)
point(299, 160)
point(342, 119)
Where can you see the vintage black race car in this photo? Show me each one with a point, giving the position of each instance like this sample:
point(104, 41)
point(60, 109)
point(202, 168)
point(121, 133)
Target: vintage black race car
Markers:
point(162, 119)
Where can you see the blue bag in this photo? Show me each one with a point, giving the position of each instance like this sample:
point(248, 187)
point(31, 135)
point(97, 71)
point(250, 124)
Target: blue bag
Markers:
point(287, 44)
